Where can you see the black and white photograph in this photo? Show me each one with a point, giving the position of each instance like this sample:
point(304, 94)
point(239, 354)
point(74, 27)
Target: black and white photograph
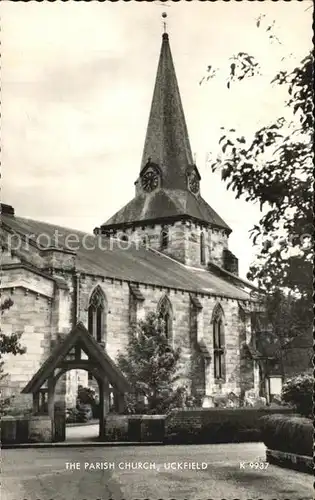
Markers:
point(156, 337)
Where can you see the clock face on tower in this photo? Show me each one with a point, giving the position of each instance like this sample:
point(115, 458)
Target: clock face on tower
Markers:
point(194, 183)
point(150, 181)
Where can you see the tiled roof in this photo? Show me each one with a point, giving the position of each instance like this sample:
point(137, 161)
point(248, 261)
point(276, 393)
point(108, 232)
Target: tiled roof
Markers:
point(137, 265)
point(166, 203)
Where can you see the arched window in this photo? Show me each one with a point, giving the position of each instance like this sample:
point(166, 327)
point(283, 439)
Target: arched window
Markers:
point(166, 314)
point(218, 342)
point(164, 238)
point(97, 315)
point(202, 249)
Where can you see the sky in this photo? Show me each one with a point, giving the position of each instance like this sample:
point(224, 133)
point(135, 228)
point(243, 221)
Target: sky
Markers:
point(77, 83)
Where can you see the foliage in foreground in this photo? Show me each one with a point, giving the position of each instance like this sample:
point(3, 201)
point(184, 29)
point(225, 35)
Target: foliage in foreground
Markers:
point(298, 392)
point(151, 366)
point(275, 168)
point(291, 434)
point(282, 318)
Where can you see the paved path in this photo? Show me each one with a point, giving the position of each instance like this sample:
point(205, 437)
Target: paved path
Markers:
point(42, 474)
point(82, 432)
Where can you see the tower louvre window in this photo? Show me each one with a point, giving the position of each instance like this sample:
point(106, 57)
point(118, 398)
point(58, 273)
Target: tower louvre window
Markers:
point(164, 238)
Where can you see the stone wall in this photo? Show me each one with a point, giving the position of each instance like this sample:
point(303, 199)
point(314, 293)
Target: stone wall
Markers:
point(29, 315)
point(134, 428)
point(119, 302)
point(48, 310)
point(198, 373)
point(40, 429)
point(117, 296)
point(41, 311)
point(18, 277)
point(62, 312)
point(184, 241)
point(218, 243)
point(56, 259)
point(30, 429)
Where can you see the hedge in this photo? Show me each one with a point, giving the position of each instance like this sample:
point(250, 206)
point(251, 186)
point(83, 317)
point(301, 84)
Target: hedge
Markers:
point(216, 425)
point(291, 434)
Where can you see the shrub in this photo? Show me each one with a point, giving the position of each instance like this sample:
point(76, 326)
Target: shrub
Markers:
point(288, 433)
point(80, 414)
point(86, 395)
point(87, 398)
point(84, 412)
point(298, 391)
point(72, 415)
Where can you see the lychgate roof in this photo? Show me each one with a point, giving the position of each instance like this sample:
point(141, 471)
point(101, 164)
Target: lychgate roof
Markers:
point(80, 337)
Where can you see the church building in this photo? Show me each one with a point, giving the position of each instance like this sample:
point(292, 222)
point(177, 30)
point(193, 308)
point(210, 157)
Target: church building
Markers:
point(166, 251)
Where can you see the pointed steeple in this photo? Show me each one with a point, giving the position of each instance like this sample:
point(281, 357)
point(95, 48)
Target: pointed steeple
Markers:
point(167, 142)
point(167, 188)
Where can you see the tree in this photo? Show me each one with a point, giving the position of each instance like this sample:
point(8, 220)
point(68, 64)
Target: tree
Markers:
point(298, 391)
point(274, 168)
point(282, 318)
point(9, 344)
point(151, 366)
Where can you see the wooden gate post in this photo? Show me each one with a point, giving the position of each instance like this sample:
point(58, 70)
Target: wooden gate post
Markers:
point(119, 401)
point(35, 402)
point(104, 404)
point(51, 404)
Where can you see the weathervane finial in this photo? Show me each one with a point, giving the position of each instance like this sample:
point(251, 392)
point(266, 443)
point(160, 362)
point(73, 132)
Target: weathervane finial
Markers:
point(164, 16)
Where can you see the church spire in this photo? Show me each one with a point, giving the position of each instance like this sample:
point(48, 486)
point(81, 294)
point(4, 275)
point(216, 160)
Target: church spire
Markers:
point(168, 187)
point(167, 142)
